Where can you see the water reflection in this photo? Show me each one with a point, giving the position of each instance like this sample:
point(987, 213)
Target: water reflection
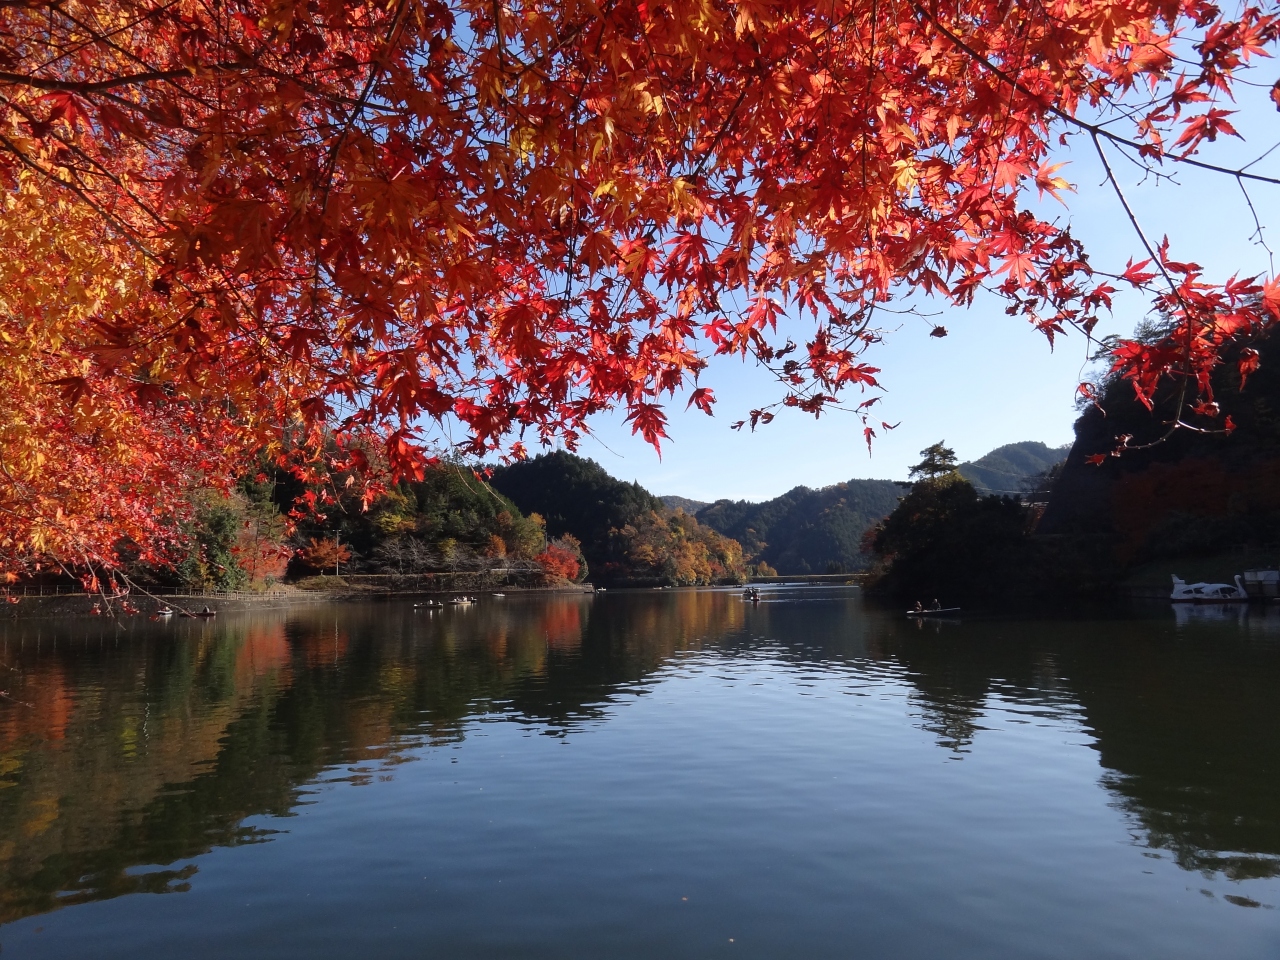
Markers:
point(1186, 614)
point(125, 751)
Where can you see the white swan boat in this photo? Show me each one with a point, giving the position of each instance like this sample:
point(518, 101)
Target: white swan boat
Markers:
point(1184, 592)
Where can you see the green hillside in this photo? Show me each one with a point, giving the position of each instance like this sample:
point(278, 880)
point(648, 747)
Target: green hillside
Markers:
point(806, 531)
point(1006, 469)
point(574, 495)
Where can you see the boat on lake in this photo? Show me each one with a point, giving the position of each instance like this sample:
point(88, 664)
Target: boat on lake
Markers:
point(1184, 592)
point(935, 612)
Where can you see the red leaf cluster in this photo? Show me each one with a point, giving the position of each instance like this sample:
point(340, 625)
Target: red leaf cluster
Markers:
point(433, 218)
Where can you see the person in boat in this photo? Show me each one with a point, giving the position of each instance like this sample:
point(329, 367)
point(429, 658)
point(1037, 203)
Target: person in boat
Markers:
point(919, 607)
point(936, 605)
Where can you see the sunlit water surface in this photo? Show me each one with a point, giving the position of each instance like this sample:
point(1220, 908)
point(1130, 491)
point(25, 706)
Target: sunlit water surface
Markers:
point(657, 774)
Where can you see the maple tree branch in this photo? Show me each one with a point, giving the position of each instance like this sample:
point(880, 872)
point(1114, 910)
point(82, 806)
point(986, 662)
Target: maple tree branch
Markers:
point(375, 70)
point(1094, 129)
point(94, 165)
point(94, 36)
point(1257, 224)
point(1133, 219)
point(97, 36)
point(1180, 406)
point(97, 86)
point(125, 231)
point(568, 37)
point(724, 128)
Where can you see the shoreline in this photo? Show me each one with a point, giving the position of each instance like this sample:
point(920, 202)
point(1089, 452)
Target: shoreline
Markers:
point(82, 604)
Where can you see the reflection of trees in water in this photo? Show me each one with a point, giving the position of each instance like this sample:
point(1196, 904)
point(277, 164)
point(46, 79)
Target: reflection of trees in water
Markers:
point(626, 639)
point(152, 744)
point(1187, 729)
point(950, 691)
point(950, 678)
point(109, 722)
point(149, 744)
point(1182, 712)
point(952, 721)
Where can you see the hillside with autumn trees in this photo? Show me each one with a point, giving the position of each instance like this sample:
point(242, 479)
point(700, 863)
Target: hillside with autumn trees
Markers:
point(452, 528)
point(433, 228)
point(448, 529)
point(627, 534)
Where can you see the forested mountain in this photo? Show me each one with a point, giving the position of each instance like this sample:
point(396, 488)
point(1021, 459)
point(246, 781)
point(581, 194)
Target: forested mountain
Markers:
point(626, 532)
point(807, 531)
point(574, 495)
point(1006, 469)
point(449, 520)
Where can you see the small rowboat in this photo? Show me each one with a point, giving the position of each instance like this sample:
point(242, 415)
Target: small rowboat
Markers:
point(941, 612)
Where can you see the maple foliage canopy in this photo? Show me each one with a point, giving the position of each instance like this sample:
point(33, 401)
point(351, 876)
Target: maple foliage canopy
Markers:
point(255, 222)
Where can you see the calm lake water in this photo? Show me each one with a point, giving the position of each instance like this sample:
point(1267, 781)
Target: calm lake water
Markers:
point(642, 775)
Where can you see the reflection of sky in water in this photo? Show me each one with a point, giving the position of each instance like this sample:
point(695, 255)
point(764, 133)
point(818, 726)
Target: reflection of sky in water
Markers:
point(552, 777)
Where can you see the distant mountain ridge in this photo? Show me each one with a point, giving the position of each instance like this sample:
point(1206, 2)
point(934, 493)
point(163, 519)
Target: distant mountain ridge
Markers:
point(684, 503)
point(1006, 469)
point(804, 531)
point(807, 531)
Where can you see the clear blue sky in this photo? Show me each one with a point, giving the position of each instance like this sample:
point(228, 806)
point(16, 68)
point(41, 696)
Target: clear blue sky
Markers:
point(993, 380)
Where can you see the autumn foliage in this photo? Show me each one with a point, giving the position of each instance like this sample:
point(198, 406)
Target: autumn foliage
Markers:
point(675, 549)
point(560, 562)
point(295, 224)
point(324, 554)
